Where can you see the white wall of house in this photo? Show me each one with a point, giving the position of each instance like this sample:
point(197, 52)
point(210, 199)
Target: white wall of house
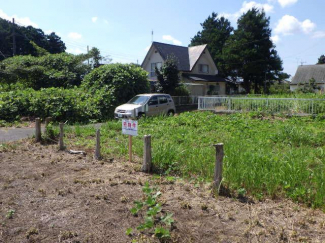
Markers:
point(202, 88)
point(153, 57)
point(196, 89)
point(222, 88)
point(293, 87)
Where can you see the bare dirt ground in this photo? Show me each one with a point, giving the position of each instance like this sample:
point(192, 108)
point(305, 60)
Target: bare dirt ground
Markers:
point(52, 196)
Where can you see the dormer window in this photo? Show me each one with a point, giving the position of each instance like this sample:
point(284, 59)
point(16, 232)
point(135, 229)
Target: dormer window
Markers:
point(204, 68)
point(153, 68)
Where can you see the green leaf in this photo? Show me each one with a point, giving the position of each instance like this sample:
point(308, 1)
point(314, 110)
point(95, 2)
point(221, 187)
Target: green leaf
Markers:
point(146, 189)
point(161, 232)
point(168, 220)
point(150, 201)
point(154, 210)
point(129, 231)
point(138, 205)
point(134, 211)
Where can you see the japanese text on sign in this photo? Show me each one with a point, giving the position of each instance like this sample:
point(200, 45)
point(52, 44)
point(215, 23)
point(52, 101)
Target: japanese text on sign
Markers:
point(130, 127)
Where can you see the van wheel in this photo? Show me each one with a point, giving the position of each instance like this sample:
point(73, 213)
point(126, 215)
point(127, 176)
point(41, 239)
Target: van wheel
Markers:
point(170, 113)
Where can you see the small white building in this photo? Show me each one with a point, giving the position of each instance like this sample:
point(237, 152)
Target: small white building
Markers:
point(198, 71)
point(305, 73)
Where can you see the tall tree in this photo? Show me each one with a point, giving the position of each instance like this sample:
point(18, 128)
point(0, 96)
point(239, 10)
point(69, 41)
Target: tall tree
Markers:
point(55, 44)
point(250, 53)
point(167, 76)
point(48, 70)
point(24, 35)
point(321, 59)
point(215, 32)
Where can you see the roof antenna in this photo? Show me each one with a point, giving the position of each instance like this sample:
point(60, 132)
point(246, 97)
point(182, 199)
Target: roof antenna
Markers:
point(152, 36)
point(302, 63)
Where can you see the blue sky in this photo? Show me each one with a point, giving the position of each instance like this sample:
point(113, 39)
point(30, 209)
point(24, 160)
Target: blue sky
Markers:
point(122, 29)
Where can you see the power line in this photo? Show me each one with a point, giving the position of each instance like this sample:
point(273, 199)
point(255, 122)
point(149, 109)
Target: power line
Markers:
point(304, 50)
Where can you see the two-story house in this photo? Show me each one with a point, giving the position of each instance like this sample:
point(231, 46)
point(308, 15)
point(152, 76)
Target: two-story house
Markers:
point(197, 69)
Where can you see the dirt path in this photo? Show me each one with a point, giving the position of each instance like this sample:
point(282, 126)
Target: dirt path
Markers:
point(52, 196)
point(15, 134)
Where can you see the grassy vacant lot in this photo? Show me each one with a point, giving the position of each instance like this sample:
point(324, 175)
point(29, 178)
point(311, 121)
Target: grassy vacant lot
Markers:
point(48, 195)
point(265, 157)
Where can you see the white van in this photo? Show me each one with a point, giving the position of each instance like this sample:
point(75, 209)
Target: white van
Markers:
point(146, 105)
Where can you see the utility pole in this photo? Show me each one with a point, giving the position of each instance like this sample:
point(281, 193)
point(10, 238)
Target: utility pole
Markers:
point(13, 37)
point(88, 53)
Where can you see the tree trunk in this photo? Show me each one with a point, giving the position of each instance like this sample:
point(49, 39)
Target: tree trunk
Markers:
point(255, 87)
point(247, 85)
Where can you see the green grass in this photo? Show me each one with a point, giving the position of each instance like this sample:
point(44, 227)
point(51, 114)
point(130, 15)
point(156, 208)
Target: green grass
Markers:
point(271, 157)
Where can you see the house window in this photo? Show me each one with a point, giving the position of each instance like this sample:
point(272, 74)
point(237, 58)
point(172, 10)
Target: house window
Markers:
point(153, 68)
point(204, 68)
point(217, 87)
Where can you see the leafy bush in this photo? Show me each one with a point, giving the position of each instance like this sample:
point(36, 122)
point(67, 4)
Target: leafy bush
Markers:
point(104, 88)
point(168, 76)
point(117, 82)
point(62, 104)
point(53, 70)
point(181, 91)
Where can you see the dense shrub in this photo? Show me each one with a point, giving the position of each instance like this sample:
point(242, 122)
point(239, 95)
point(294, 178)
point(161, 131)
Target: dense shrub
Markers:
point(118, 82)
point(181, 90)
point(56, 70)
point(103, 89)
point(73, 105)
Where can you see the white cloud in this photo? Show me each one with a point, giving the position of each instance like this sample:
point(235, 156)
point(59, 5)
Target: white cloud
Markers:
point(171, 39)
point(308, 26)
point(75, 51)
point(247, 6)
point(74, 35)
point(276, 39)
point(285, 3)
point(94, 19)
point(289, 25)
point(319, 34)
point(19, 20)
point(105, 21)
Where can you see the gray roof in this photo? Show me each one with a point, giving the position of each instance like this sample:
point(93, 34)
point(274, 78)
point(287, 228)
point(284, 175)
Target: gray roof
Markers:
point(204, 78)
point(187, 56)
point(306, 72)
point(194, 53)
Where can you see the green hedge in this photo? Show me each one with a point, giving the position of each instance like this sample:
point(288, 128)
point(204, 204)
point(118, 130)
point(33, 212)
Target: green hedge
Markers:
point(62, 104)
point(103, 89)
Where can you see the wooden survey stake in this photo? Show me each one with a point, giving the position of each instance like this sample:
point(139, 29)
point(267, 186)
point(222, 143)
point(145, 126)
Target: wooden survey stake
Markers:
point(130, 148)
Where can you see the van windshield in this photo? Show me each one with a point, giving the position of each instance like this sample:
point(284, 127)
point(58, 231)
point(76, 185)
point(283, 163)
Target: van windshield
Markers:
point(138, 100)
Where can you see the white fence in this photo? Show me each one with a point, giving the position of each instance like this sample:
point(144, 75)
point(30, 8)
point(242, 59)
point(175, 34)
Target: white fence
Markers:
point(272, 105)
point(185, 100)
